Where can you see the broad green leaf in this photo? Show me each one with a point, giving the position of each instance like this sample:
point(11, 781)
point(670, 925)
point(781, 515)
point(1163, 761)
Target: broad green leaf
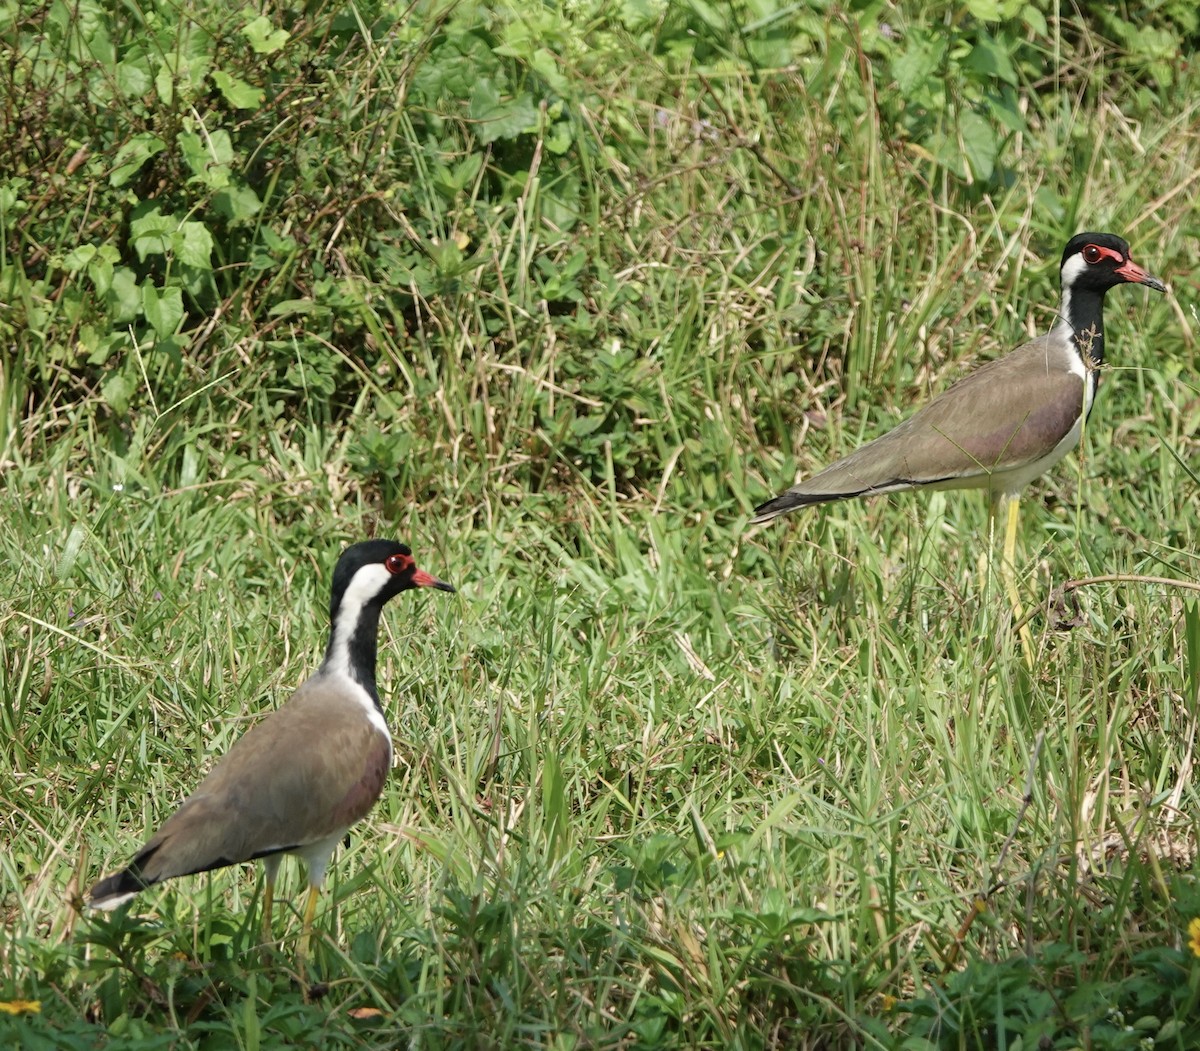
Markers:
point(116, 391)
point(1050, 204)
point(979, 143)
point(264, 38)
point(99, 264)
point(237, 203)
point(276, 242)
point(292, 306)
point(219, 146)
point(985, 10)
point(944, 150)
point(163, 310)
point(152, 234)
point(124, 298)
point(991, 60)
point(11, 202)
point(79, 257)
point(584, 425)
point(132, 155)
point(100, 270)
point(1006, 110)
point(237, 92)
point(195, 154)
point(193, 245)
point(106, 348)
point(182, 75)
point(133, 77)
point(559, 138)
point(1035, 20)
point(549, 67)
point(709, 14)
point(209, 156)
point(495, 117)
point(164, 85)
point(920, 60)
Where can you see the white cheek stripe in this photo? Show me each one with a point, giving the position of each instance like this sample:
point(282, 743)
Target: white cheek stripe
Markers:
point(1071, 269)
point(1069, 274)
point(366, 583)
point(364, 586)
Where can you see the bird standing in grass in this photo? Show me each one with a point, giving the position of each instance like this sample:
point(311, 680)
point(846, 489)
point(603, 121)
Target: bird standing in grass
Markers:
point(1004, 424)
point(295, 782)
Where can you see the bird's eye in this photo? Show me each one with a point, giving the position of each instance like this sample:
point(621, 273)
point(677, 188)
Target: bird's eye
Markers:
point(398, 563)
point(1092, 254)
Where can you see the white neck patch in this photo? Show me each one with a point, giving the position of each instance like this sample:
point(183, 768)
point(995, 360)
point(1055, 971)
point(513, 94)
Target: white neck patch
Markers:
point(366, 583)
point(1071, 271)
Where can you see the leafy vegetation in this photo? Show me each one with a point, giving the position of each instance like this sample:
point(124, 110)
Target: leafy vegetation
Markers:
point(557, 294)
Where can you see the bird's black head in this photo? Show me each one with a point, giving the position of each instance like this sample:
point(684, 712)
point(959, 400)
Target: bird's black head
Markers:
point(1097, 262)
point(371, 572)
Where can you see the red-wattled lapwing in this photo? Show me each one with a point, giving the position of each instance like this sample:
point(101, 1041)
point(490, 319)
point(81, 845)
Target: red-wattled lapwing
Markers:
point(1002, 425)
point(295, 782)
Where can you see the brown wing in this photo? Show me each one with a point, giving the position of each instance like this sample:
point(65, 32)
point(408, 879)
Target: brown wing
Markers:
point(310, 769)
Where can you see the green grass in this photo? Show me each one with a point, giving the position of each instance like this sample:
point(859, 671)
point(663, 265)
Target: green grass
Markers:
point(660, 781)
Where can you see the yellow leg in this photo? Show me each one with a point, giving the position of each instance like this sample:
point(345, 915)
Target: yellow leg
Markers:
point(1007, 573)
point(310, 910)
point(270, 871)
point(267, 901)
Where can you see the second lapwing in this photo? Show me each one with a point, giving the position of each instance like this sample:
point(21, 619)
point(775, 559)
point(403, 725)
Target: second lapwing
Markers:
point(1005, 423)
point(295, 782)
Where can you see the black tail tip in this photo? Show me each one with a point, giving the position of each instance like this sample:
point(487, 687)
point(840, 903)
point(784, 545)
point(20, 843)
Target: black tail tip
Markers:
point(781, 505)
point(116, 889)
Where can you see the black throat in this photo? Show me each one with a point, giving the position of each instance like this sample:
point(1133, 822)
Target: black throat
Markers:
point(1083, 311)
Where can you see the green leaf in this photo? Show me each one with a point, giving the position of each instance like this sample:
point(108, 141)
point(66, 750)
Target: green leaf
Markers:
point(287, 307)
point(100, 269)
point(237, 203)
point(124, 298)
point(237, 92)
point(946, 151)
point(193, 245)
point(133, 77)
point(1035, 20)
point(263, 37)
point(116, 391)
point(581, 426)
point(163, 310)
point(980, 145)
point(195, 156)
point(182, 76)
point(79, 257)
point(708, 14)
point(1049, 203)
point(1006, 110)
point(984, 10)
point(104, 349)
point(990, 60)
point(498, 118)
point(549, 67)
point(152, 234)
point(132, 155)
point(559, 138)
point(11, 202)
point(919, 61)
point(209, 156)
point(164, 85)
